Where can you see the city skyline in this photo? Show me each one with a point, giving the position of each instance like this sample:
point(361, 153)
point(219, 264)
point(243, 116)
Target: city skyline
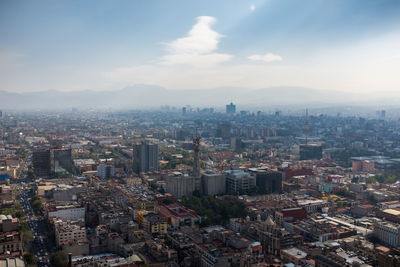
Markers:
point(72, 46)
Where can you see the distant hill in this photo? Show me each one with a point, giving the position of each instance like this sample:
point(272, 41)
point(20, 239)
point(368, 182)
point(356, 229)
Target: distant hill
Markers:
point(145, 96)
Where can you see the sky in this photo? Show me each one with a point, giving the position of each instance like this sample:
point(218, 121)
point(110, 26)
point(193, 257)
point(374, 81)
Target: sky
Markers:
point(341, 45)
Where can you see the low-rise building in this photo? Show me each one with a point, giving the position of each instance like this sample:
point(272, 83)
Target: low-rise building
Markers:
point(155, 224)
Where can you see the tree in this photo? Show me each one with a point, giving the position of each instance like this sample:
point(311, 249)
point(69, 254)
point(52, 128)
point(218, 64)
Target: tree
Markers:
point(37, 204)
point(59, 258)
point(29, 258)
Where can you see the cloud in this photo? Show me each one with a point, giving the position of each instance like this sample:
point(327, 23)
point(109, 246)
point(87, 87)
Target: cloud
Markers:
point(252, 8)
point(269, 57)
point(198, 47)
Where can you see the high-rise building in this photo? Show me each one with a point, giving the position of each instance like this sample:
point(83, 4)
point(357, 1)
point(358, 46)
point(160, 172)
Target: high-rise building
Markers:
point(145, 157)
point(213, 183)
point(105, 171)
point(268, 181)
point(231, 108)
point(180, 185)
point(387, 233)
point(196, 163)
point(239, 181)
point(310, 151)
point(224, 130)
point(62, 160)
point(41, 160)
point(50, 161)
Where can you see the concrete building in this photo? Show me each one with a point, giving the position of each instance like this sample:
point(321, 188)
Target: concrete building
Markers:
point(239, 181)
point(8, 223)
point(67, 212)
point(293, 255)
point(213, 183)
point(6, 195)
point(11, 243)
point(145, 157)
point(180, 185)
point(68, 230)
point(155, 224)
point(387, 233)
point(363, 165)
point(105, 171)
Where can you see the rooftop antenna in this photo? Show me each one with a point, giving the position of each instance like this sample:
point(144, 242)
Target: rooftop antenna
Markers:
point(306, 128)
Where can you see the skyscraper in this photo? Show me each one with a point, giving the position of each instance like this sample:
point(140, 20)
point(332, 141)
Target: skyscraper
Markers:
point(231, 108)
point(145, 157)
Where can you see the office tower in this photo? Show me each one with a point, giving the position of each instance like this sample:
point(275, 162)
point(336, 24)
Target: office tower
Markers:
point(41, 160)
point(62, 160)
point(231, 108)
point(310, 151)
point(145, 157)
point(105, 171)
point(213, 183)
point(184, 111)
point(1, 114)
point(268, 181)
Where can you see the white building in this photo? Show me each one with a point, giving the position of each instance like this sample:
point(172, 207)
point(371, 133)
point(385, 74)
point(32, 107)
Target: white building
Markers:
point(69, 212)
point(387, 233)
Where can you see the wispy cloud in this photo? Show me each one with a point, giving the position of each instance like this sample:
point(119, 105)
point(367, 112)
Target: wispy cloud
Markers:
point(252, 8)
point(197, 47)
point(269, 57)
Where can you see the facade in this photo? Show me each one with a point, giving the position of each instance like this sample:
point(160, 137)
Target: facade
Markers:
point(268, 181)
point(231, 108)
point(67, 213)
point(105, 171)
point(239, 181)
point(10, 242)
point(62, 159)
point(145, 157)
point(363, 165)
point(387, 233)
point(8, 223)
point(67, 230)
point(213, 183)
point(155, 224)
point(180, 185)
point(310, 151)
point(41, 160)
point(47, 162)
